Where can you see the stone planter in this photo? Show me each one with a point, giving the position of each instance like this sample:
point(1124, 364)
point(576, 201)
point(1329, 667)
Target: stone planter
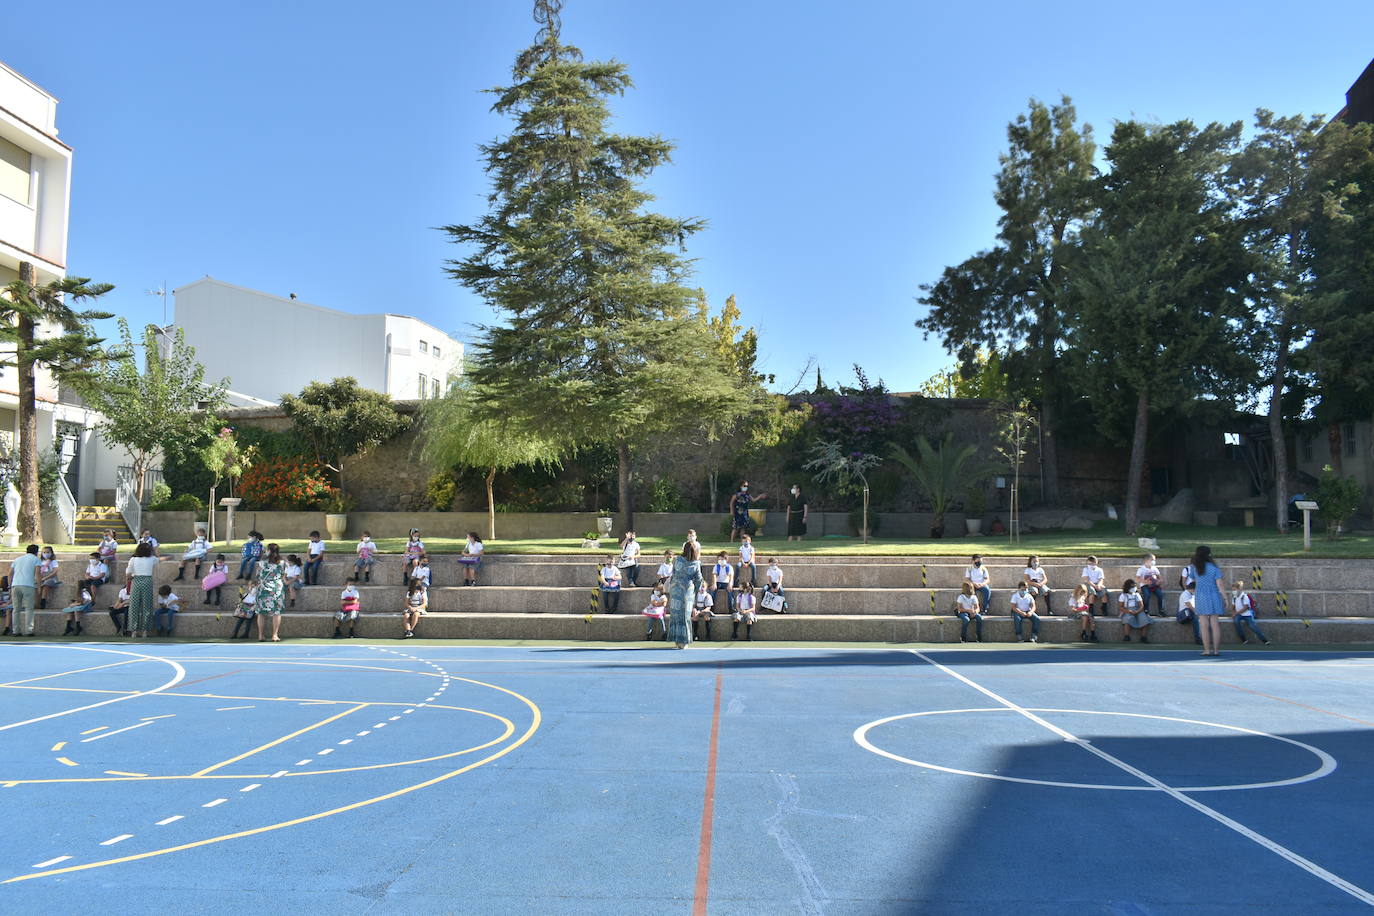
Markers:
point(603, 525)
point(336, 525)
point(973, 526)
point(1147, 543)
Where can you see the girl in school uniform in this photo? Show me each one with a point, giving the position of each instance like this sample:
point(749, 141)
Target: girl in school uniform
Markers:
point(74, 612)
point(968, 607)
point(746, 558)
point(658, 607)
point(702, 614)
point(146, 537)
point(415, 548)
point(1131, 608)
point(416, 606)
point(1081, 607)
point(1096, 581)
point(245, 613)
point(1151, 582)
point(976, 574)
point(629, 560)
point(608, 578)
point(367, 555)
point(47, 575)
point(195, 551)
point(108, 548)
point(472, 558)
point(293, 576)
point(219, 569)
point(1037, 583)
point(350, 605)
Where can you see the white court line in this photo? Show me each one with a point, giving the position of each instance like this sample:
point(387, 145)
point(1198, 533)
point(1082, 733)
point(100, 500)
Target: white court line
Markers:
point(346, 741)
point(328, 750)
point(115, 732)
point(366, 731)
point(176, 679)
point(278, 774)
point(170, 820)
point(251, 787)
point(380, 725)
point(52, 861)
point(1284, 852)
point(301, 763)
point(211, 804)
point(117, 839)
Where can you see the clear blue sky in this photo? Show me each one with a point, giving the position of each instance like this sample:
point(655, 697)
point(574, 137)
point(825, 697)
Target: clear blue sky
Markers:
point(842, 153)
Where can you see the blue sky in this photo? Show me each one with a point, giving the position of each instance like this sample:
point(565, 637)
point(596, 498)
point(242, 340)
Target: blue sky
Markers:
point(842, 153)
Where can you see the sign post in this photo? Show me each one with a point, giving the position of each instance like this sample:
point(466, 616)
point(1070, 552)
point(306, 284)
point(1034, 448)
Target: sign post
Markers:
point(1308, 507)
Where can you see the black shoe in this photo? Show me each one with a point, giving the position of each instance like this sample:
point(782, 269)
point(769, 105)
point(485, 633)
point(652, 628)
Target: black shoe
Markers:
point(6, 633)
point(68, 630)
point(43, 604)
point(337, 635)
point(1144, 639)
point(1126, 638)
point(181, 574)
point(352, 635)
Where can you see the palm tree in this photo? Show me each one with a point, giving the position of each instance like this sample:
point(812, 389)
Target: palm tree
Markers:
point(70, 350)
point(941, 471)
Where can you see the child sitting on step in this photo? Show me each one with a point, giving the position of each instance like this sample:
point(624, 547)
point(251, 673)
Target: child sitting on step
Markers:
point(658, 607)
point(665, 569)
point(167, 605)
point(249, 555)
point(6, 605)
point(74, 612)
point(744, 612)
point(97, 573)
point(119, 611)
point(773, 598)
point(1243, 607)
point(367, 555)
point(243, 614)
point(108, 548)
point(349, 606)
point(1080, 606)
point(415, 548)
point(195, 552)
point(702, 614)
point(220, 571)
point(293, 576)
point(47, 576)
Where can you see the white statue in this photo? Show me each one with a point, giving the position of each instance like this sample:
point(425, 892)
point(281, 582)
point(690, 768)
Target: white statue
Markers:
point(10, 536)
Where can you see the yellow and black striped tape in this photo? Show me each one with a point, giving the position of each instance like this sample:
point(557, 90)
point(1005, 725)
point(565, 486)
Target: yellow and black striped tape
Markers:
point(923, 575)
point(1281, 603)
point(1256, 578)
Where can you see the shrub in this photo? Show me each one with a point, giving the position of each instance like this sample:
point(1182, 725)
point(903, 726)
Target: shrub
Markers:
point(284, 483)
point(665, 496)
point(856, 519)
point(441, 491)
point(1338, 498)
point(160, 495)
point(186, 502)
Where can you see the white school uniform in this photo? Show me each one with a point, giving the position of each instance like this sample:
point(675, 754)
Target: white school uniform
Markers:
point(316, 548)
point(197, 549)
point(744, 608)
point(1144, 574)
point(610, 577)
point(775, 575)
point(421, 573)
point(746, 553)
point(1241, 604)
point(629, 554)
point(978, 575)
point(1023, 603)
point(96, 569)
point(290, 572)
point(665, 570)
point(1035, 575)
point(967, 603)
point(1094, 575)
point(658, 606)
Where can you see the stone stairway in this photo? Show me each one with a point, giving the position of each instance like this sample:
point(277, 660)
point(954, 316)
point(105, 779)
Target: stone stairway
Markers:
point(831, 599)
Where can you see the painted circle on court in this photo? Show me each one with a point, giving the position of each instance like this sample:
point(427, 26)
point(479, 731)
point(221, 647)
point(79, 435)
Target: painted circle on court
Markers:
point(1327, 763)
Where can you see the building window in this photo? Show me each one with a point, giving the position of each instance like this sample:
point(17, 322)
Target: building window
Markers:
point(16, 167)
point(1307, 446)
point(1348, 439)
point(424, 385)
point(436, 352)
point(424, 347)
point(435, 389)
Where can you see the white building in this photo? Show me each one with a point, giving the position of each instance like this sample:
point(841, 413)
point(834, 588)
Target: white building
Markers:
point(270, 345)
point(35, 188)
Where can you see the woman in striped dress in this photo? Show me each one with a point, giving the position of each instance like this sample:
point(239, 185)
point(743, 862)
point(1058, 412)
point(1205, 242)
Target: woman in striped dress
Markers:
point(682, 593)
point(271, 592)
point(140, 583)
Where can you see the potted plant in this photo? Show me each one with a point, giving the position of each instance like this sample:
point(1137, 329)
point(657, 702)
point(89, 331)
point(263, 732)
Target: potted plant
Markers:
point(1145, 535)
point(604, 521)
point(591, 539)
point(975, 504)
point(336, 504)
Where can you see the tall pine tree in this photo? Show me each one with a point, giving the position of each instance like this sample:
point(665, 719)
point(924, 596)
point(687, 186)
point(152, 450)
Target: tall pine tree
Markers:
point(599, 342)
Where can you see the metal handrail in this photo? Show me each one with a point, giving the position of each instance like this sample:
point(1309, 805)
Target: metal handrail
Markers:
point(66, 508)
point(126, 499)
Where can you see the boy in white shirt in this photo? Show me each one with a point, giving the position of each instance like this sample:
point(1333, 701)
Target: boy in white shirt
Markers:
point(421, 573)
point(1037, 583)
point(97, 573)
point(967, 607)
point(167, 604)
point(366, 551)
point(723, 579)
point(977, 575)
point(702, 614)
point(1022, 609)
point(1096, 581)
point(119, 611)
point(1243, 608)
point(314, 558)
point(293, 575)
point(608, 578)
point(349, 606)
point(83, 604)
point(1151, 582)
point(746, 558)
point(665, 569)
point(1187, 609)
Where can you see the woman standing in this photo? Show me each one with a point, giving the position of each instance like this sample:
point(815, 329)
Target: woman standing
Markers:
point(682, 593)
point(271, 592)
point(796, 515)
point(1210, 602)
point(739, 510)
point(140, 584)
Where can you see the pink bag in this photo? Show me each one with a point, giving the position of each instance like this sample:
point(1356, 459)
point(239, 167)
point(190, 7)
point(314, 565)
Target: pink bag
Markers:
point(214, 580)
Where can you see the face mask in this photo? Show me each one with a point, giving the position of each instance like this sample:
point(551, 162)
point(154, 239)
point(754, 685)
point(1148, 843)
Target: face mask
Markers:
point(744, 489)
point(977, 562)
point(796, 492)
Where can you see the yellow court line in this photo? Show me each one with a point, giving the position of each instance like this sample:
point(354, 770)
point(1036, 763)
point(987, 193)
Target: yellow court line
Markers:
point(92, 731)
point(70, 763)
point(536, 719)
point(224, 763)
point(27, 680)
point(59, 745)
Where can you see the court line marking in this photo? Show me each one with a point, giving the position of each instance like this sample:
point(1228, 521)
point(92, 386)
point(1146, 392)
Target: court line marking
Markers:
point(1267, 696)
point(92, 731)
point(117, 839)
point(59, 745)
point(117, 731)
point(123, 773)
point(168, 820)
point(702, 888)
point(1326, 767)
point(52, 862)
point(67, 761)
point(212, 804)
point(536, 719)
point(270, 744)
point(1278, 849)
point(44, 677)
point(177, 678)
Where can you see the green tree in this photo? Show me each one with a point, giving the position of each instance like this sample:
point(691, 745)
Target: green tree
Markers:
point(342, 420)
point(226, 458)
point(457, 433)
point(1015, 294)
point(1288, 179)
point(980, 376)
point(163, 406)
point(942, 473)
point(1162, 317)
point(40, 329)
point(598, 340)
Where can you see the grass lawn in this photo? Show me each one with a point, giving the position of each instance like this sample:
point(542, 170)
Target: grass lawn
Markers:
point(1106, 539)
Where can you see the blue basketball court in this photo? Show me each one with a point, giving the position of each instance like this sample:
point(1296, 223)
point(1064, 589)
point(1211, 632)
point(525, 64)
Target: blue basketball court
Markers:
point(416, 777)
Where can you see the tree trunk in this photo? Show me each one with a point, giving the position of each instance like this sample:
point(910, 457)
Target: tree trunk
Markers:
point(713, 483)
point(627, 511)
point(491, 504)
point(1137, 469)
point(1277, 442)
point(1333, 442)
point(30, 512)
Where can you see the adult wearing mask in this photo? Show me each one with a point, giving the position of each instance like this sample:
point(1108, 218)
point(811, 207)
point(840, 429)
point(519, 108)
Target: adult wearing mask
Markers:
point(739, 509)
point(686, 581)
point(796, 514)
point(23, 588)
point(139, 581)
point(1210, 602)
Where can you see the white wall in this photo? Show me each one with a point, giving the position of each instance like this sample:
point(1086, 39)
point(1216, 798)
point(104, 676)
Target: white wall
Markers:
point(270, 345)
point(36, 225)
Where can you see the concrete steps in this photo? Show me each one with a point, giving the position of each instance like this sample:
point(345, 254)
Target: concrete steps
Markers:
point(199, 624)
point(91, 522)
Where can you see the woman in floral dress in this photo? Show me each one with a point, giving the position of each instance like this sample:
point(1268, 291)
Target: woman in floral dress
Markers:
point(271, 592)
point(682, 593)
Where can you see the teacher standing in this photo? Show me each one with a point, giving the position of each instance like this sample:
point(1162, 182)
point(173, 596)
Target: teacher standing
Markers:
point(739, 509)
point(796, 514)
point(682, 593)
point(1210, 603)
point(139, 576)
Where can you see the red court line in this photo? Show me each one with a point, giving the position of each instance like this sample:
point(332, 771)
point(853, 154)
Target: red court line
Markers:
point(1270, 696)
point(708, 808)
point(210, 678)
